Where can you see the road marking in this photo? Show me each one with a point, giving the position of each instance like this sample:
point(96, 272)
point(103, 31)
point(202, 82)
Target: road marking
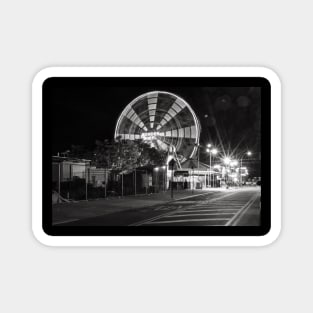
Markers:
point(191, 220)
point(176, 211)
point(166, 208)
point(208, 210)
point(215, 207)
point(201, 194)
point(237, 217)
point(185, 202)
point(199, 214)
point(67, 221)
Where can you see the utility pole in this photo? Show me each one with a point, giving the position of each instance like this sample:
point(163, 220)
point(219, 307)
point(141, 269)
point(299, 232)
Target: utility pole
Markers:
point(171, 164)
point(59, 183)
point(210, 170)
point(86, 180)
point(105, 182)
point(163, 179)
point(198, 156)
point(122, 185)
point(193, 179)
point(240, 172)
point(147, 182)
point(135, 183)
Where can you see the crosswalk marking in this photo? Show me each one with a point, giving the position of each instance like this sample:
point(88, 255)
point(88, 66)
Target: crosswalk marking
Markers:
point(209, 210)
point(198, 214)
point(191, 220)
point(223, 209)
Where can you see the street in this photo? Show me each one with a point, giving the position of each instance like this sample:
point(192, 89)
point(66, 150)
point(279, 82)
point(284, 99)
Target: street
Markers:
point(226, 207)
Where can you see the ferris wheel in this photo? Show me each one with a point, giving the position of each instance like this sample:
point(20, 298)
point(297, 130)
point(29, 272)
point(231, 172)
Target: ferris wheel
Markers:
point(163, 120)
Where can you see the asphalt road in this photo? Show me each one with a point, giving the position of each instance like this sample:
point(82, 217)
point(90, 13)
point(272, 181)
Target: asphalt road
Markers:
point(218, 208)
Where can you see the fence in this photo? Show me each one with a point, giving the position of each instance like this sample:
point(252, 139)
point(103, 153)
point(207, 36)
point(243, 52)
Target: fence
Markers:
point(93, 183)
point(80, 182)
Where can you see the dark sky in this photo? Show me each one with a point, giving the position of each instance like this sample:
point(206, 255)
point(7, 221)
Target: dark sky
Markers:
point(229, 116)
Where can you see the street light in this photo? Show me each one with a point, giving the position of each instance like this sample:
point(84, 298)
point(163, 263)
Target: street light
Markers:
point(213, 151)
point(227, 160)
point(164, 184)
point(248, 153)
point(157, 177)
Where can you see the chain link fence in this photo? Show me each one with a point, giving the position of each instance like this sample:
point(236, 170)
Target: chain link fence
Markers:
point(70, 183)
point(80, 181)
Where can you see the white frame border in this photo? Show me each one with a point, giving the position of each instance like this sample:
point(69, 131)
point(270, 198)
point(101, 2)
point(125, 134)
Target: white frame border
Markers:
point(45, 239)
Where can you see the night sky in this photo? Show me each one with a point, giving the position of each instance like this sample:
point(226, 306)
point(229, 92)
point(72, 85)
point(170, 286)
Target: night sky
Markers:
point(229, 116)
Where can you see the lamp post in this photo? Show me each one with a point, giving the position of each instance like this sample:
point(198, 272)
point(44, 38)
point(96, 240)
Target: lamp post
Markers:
point(135, 183)
point(193, 179)
point(122, 184)
point(227, 161)
point(233, 165)
point(59, 183)
point(198, 156)
point(157, 178)
point(214, 151)
point(171, 165)
point(211, 151)
point(248, 153)
point(147, 182)
point(164, 168)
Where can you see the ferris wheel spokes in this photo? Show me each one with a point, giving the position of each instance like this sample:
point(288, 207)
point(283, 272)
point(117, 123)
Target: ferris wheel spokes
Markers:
point(161, 119)
point(152, 104)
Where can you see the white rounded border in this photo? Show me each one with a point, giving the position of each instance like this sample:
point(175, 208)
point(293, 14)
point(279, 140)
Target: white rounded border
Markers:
point(266, 73)
point(130, 105)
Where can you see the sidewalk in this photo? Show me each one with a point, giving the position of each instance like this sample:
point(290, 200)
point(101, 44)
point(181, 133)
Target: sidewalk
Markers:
point(65, 212)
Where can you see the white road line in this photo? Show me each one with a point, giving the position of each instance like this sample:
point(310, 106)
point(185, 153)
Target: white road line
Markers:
point(169, 213)
point(201, 194)
point(214, 208)
point(242, 211)
point(67, 221)
point(198, 214)
point(220, 206)
point(191, 220)
point(208, 210)
point(215, 225)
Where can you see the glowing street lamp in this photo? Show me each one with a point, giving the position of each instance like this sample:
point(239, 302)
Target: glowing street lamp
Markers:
point(227, 160)
point(213, 151)
point(248, 153)
point(164, 182)
point(157, 178)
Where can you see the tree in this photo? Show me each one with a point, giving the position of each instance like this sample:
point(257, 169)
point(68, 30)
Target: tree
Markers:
point(81, 152)
point(127, 155)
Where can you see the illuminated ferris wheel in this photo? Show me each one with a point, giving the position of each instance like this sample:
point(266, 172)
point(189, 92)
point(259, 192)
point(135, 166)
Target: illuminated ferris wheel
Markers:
point(162, 119)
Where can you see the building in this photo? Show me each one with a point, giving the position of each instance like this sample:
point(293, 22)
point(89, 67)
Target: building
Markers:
point(68, 169)
point(195, 175)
